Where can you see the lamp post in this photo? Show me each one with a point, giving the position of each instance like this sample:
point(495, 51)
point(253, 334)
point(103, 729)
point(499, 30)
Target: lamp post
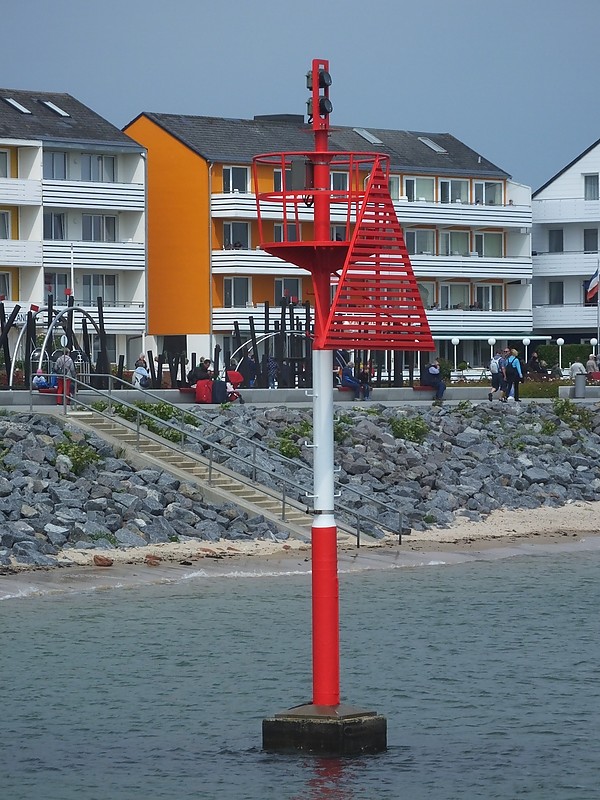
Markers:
point(526, 343)
point(455, 343)
point(491, 342)
point(594, 342)
point(560, 343)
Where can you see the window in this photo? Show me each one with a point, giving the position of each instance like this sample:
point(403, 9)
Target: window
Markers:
point(236, 236)
point(292, 232)
point(98, 228)
point(338, 233)
point(454, 295)
point(489, 297)
point(54, 226)
point(454, 243)
point(55, 166)
point(235, 179)
point(4, 162)
point(278, 186)
point(489, 245)
point(55, 283)
point(556, 293)
point(427, 292)
point(4, 285)
point(590, 240)
point(236, 292)
point(339, 181)
point(394, 186)
point(420, 241)
point(419, 189)
point(454, 191)
point(288, 289)
point(590, 187)
point(111, 347)
point(4, 224)
point(100, 169)
point(488, 193)
point(99, 285)
point(555, 241)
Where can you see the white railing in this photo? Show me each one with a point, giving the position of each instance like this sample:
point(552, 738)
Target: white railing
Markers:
point(125, 318)
point(565, 264)
point(576, 317)
point(16, 192)
point(455, 322)
point(95, 255)
point(236, 262)
point(83, 194)
point(572, 209)
point(18, 253)
point(243, 206)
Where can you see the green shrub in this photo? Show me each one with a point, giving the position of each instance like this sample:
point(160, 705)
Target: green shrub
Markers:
point(288, 448)
point(80, 454)
point(413, 429)
point(576, 417)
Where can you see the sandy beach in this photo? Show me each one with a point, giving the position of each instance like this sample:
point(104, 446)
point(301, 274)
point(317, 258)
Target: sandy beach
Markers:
point(504, 533)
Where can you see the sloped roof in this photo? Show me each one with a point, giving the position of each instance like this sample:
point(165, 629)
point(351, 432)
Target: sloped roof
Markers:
point(237, 141)
point(568, 167)
point(47, 125)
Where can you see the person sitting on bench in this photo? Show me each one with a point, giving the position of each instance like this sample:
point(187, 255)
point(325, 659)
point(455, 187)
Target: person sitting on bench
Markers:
point(431, 376)
point(349, 380)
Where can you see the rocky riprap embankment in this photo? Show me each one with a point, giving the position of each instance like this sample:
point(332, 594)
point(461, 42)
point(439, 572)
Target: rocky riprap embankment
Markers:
point(46, 508)
point(472, 460)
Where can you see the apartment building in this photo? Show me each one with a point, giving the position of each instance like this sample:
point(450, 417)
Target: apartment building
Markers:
point(566, 219)
point(72, 215)
point(467, 226)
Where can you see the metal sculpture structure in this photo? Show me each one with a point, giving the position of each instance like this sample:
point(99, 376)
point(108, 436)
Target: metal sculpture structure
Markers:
point(376, 305)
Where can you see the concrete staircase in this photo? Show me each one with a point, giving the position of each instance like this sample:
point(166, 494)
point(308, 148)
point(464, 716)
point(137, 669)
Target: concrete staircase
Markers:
point(219, 485)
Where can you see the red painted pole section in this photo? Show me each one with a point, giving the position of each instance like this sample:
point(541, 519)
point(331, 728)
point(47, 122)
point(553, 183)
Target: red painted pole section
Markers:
point(325, 601)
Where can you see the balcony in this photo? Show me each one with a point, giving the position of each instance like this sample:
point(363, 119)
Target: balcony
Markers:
point(501, 324)
point(564, 264)
point(15, 192)
point(84, 194)
point(116, 256)
point(574, 209)
point(18, 253)
point(243, 206)
point(257, 262)
point(126, 318)
point(574, 317)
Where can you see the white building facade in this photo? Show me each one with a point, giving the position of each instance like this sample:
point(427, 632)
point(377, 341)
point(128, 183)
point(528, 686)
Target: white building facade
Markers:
point(566, 221)
point(72, 216)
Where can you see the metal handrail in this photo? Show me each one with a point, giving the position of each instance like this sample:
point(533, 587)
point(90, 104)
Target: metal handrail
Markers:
point(212, 447)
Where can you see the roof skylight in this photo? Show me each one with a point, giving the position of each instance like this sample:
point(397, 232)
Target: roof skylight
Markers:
point(370, 137)
point(53, 107)
point(15, 104)
point(433, 145)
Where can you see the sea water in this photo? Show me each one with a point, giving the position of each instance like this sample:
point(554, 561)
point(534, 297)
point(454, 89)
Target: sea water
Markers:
point(487, 671)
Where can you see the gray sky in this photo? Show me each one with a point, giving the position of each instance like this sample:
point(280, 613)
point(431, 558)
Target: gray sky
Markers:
point(516, 80)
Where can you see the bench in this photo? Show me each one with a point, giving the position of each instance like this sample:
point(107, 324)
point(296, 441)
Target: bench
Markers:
point(423, 388)
point(187, 390)
point(49, 390)
point(344, 388)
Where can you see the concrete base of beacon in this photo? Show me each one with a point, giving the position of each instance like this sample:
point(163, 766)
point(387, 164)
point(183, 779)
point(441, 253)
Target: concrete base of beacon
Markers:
point(325, 730)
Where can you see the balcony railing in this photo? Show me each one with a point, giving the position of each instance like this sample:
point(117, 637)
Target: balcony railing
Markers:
point(16, 192)
point(565, 318)
point(573, 209)
point(564, 264)
point(452, 321)
point(243, 206)
point(83, 194)
point(18, 253)
point(124, 317)
point(237, 262)
point(119, 256)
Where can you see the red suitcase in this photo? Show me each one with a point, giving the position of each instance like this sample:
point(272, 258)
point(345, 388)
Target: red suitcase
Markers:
point(204, 391)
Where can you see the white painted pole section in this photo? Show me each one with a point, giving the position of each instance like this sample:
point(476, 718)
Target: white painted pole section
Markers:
point(323, 430)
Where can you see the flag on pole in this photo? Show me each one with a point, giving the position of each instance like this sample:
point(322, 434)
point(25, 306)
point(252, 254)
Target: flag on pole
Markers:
point(592, 289)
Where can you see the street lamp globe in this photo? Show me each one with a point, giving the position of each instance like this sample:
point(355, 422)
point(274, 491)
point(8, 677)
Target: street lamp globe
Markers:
point(594, 342)
point(455, 342)
point(560, 343)
point(526, 343)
